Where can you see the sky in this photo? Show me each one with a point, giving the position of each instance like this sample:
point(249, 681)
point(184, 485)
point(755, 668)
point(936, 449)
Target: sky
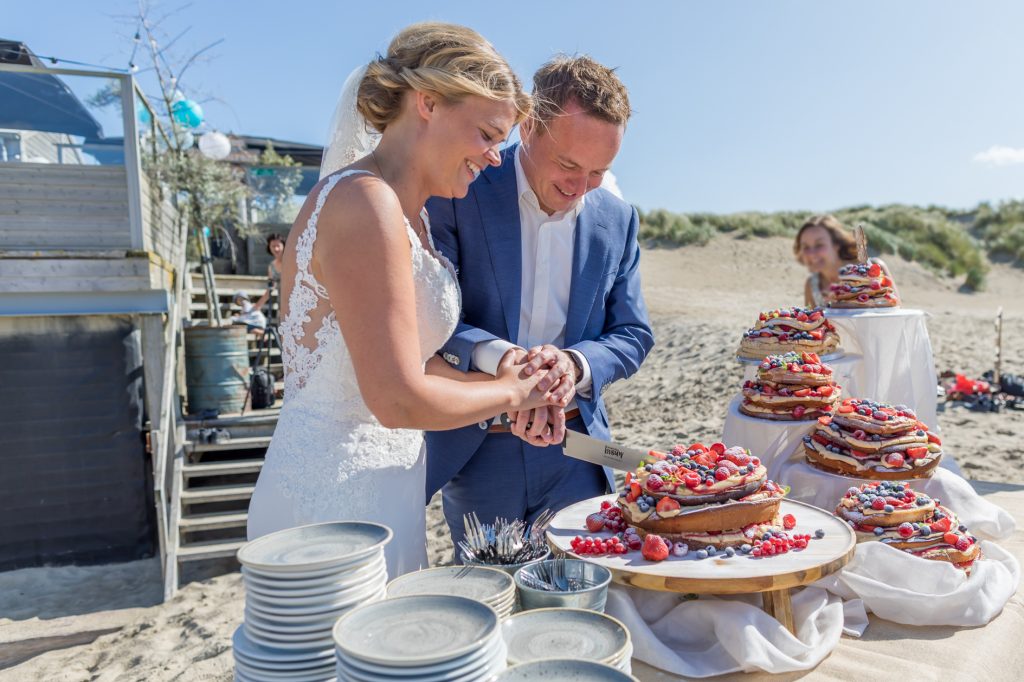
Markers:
point(758, 105)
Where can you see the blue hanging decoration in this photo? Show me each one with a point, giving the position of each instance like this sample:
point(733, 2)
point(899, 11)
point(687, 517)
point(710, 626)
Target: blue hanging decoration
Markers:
point(187, 112)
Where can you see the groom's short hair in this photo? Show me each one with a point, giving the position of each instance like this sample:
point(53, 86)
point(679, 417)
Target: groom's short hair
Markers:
point(581, 79)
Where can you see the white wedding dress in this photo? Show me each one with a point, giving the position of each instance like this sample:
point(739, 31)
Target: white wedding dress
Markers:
point(330, 459)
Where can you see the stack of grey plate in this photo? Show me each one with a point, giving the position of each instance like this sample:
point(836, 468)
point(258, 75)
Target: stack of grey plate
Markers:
point(495, 588)
point(421, 637)
point(564, 670)
point(298, 582)
point(567, 633)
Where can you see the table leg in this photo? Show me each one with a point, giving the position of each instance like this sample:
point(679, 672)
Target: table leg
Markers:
point(777, 604)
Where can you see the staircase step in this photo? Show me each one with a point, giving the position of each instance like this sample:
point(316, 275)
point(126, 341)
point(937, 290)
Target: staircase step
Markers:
point(233, 444)
point(238, 466)
point(208, 550)
point(220, 493)
point(197, 522)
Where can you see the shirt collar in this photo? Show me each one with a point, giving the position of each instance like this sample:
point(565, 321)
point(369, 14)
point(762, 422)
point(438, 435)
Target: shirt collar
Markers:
point(527, 194)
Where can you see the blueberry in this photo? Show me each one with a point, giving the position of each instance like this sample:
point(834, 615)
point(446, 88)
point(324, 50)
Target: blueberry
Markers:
point(807, 439)
point(711, 550)
point(920, 433)
point(938, 515)
point(701, 554)
point(766, 537)
point(922, 501)
point(925, 530)
point(888, 509)
point(730, 552)
point(647, 467)
point(834, 426)
point(962, 528)
point(745, 548)
point(819, 533)
point(878, 530)
point(853, 491)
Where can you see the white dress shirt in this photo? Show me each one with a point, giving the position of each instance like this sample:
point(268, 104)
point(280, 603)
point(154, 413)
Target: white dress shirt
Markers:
point(547, 251)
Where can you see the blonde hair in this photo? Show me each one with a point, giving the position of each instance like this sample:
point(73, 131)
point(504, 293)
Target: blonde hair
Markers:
point(840, 237)
point(448, 60)
point(581, 79)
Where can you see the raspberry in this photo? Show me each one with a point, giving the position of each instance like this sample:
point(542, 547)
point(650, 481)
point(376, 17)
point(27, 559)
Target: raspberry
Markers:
point(691, 479)
point(721, 473)
point(654, 483)
point(789, 522)
point(654, 548)
point(905, 530)
point(963, 543)
point(878, 503)
point(606, 505)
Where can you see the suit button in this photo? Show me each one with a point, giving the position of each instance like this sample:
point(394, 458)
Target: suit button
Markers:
point(483, 425)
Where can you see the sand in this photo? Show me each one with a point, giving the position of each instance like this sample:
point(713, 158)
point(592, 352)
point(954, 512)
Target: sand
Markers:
point(106, 623)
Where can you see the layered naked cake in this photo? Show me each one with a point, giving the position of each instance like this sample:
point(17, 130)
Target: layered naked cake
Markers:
point(707, 497)
point(863, 285)
point(892, 513)
point(867, 439)
point(791, 387)
point(788, 330)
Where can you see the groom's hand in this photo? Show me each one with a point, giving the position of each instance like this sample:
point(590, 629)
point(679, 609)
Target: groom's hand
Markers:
point(540, 427)
point(562, 372)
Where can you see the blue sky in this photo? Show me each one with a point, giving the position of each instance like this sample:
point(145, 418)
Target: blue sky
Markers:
point(754, 105)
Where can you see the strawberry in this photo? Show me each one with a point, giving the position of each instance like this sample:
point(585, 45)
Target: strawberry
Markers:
point(654, 454)
point(846, 409)
point(789, 522)
point(666, 504)
point(950, 538)
point(629, 478)
point(893, 460)
point(886, 282)
point(654, 548)
point(932, 438)
point(595, 522)
point(635, 489)
point(917, 453)
point(941, 526)
point(728, 465)
point(741, 459)
point(698, 447)
point(691, 479)
point(801, 317)
point(718, 447)
point(802, 393)
point(963, 544)
point(816, 334)
point(825, 391)
point(858, 454)
point(875, 270)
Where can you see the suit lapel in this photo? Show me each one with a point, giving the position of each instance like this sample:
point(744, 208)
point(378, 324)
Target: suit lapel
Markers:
point(498, 202)
point(590, 255)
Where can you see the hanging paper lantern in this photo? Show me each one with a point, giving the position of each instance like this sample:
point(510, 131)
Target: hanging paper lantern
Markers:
point(187, 112)
point(186, 139)
point(214, 145)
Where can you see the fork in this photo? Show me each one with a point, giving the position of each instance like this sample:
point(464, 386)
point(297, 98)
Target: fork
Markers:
point(558, 574)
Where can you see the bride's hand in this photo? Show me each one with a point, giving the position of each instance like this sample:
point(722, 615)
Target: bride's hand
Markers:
point(541, 427)
point(531, 390)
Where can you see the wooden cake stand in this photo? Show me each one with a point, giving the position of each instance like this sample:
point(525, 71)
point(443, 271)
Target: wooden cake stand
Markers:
point(773, 576)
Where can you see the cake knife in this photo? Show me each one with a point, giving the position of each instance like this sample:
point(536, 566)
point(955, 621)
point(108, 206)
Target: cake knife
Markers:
point(581, 446)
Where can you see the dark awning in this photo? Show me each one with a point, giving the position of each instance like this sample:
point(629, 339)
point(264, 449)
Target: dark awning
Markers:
point(40, 101)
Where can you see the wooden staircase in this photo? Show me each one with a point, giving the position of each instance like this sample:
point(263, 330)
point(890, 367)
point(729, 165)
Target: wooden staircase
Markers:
point(212, 482)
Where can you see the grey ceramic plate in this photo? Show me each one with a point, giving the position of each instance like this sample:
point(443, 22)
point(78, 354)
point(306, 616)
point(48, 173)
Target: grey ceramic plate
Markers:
point(415, 631)
point(563, 670)
point(476, 582)
point(251, 651)
point(550, 633)
point(308, 548)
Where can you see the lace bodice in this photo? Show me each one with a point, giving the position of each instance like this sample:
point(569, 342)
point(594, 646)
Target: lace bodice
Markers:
point(330, 459)
point(309, 330)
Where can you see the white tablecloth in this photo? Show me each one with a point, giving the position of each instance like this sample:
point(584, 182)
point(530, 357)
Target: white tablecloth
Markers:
point(897, 365)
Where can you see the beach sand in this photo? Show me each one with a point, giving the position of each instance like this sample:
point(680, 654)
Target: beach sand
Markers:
point(106, 622)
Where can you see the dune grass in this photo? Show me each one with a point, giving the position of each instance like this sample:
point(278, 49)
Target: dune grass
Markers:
point(952, 243)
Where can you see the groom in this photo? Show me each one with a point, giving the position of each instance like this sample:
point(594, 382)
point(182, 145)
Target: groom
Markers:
point(548, 262)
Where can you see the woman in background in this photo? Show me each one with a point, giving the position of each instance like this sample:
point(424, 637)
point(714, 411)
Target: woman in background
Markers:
point(823, 245)
point(275, 247)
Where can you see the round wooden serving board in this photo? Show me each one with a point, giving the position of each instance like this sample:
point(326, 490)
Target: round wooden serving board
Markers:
point(741, 574)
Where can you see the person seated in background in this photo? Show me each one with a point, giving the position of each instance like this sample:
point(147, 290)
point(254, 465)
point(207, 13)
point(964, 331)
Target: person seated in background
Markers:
point(275, 247)
point(251, 316)
point(823, 245)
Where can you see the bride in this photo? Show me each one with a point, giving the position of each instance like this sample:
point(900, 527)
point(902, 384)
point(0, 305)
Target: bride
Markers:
point(367, 300)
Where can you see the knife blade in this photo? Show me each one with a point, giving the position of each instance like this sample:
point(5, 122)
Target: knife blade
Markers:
point(581, 446)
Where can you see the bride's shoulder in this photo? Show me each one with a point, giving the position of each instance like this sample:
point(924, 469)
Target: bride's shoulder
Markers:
point(357, 205)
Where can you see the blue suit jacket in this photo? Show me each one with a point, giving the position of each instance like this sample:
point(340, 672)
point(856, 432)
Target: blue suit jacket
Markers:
point(607, 318)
